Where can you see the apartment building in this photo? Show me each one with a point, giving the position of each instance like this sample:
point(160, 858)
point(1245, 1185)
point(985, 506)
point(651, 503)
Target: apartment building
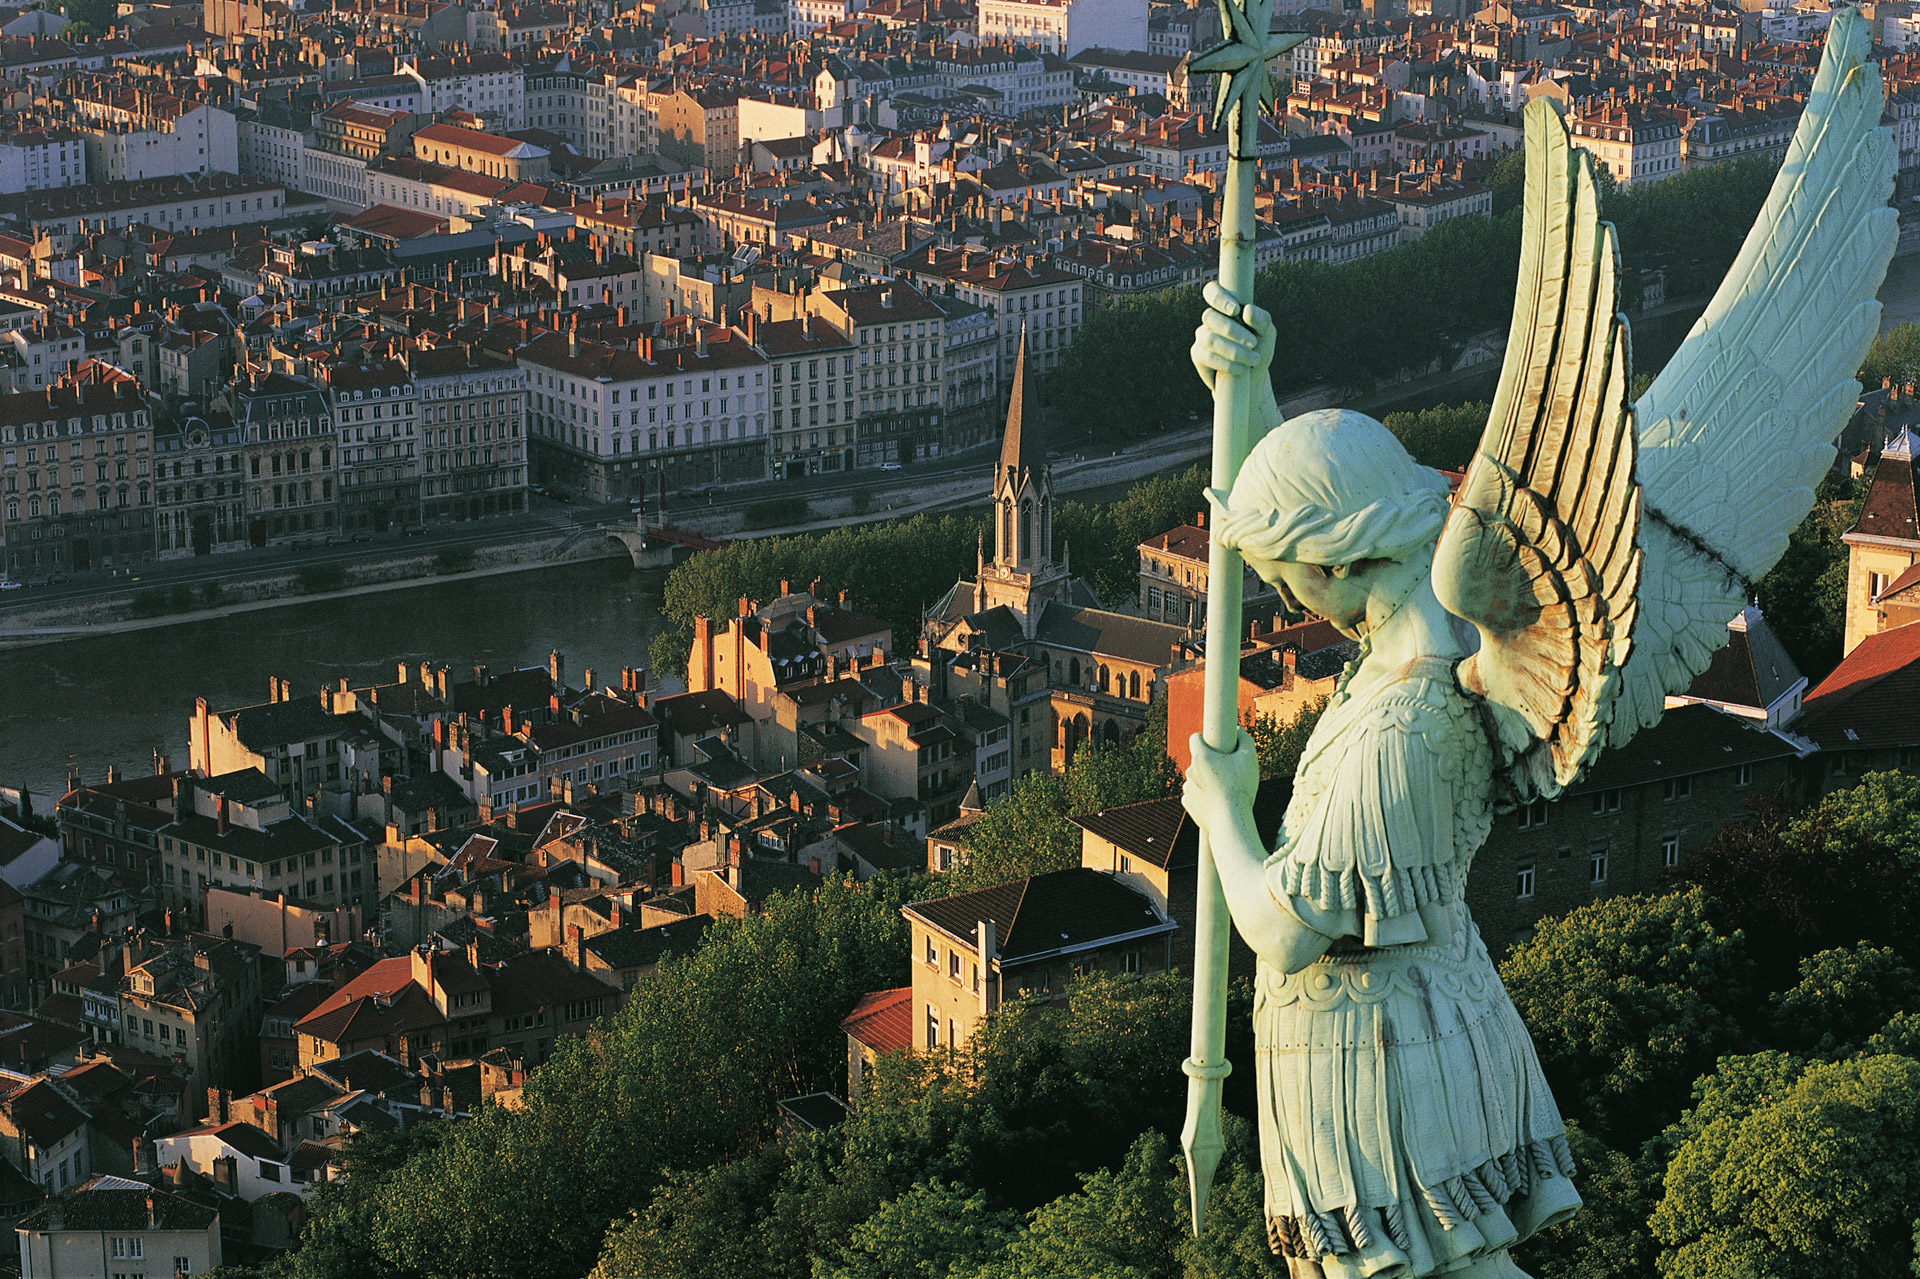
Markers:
point(897, 384)
point(376, 417)
point(690, 402)
point(76, 484)
point(286, 437)
point(240, 831)
point(473, 444)
point(810, 366)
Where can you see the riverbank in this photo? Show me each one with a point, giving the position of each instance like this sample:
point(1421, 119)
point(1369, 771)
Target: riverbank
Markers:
point(284, 588)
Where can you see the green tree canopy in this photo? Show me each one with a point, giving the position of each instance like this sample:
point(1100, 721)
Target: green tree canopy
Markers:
point(1629, 999)
point(1842, 871)
point(1843, 997)
point(1027, 831)
point(1124, 1224)
point(686, 1074)
point(1817, 1179)
point(1444, 436)
point(1894, 354)
point(934, 1230)
point(1804, 596)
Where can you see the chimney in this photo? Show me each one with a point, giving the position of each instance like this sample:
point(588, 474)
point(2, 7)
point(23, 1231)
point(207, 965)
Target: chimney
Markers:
point(986, 950)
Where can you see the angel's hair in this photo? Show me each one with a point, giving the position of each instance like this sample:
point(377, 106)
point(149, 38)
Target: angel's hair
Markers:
point(1331, 487)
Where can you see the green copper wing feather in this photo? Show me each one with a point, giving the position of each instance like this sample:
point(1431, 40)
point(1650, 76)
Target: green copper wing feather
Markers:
point(1539, 553)
point(1738, 429)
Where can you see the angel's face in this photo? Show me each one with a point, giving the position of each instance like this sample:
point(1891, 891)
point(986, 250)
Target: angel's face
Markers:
point(1340, 598)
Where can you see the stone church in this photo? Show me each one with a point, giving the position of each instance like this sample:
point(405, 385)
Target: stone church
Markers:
point(1104, 667)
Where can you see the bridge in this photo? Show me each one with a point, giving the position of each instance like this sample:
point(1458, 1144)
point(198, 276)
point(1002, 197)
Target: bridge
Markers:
point(659, 545)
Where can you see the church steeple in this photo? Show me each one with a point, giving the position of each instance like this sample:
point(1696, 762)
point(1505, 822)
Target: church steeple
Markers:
point(1022, 575)
point(1023, 484)
point(1022, 451)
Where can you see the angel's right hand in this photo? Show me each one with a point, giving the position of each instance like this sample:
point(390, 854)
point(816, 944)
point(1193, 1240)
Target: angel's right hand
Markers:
point(1232, 338)
point(1220, 784)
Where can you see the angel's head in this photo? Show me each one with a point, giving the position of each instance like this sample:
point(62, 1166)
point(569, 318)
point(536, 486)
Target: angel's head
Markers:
point(1330, 509)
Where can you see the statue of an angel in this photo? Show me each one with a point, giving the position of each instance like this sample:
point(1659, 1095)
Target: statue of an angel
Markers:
point(1597, 548)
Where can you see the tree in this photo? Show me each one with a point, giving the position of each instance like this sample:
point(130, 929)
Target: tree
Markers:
point(1894, 354)
point(887, 569)
point(1844, 871)
point(337, 1239)
point(1125, 1224)
point(1843, 997)
point(934, 1230)
point(1629, 999)
point(1281, 745)
point(1819, 1178)
point(1027, 831)
point(1444, 436)
point(1804, 595)
point(703, 1224)
point(1608, 1238)
point(685, 1075)
point(1509, 180)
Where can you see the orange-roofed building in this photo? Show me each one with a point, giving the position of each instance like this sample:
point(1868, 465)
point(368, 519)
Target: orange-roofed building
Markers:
point(882, 1022)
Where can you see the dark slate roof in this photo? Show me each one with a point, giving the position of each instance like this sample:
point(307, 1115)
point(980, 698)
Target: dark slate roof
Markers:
point(42, 1113)
point(244, 786)
point(1889, 510)
point(243, 1137)
point(1871, 699)
point(1687, 740)
point(816, 1112)
point(273, 724)
point(1154, 830)
point(1752, 670)
point(1040, 916)
point(1104, 634)
point(370, 1070)
point(639, 947)
point(95, 1208)
point(761, 878)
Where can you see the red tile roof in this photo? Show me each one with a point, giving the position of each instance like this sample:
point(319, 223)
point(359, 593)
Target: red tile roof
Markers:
point(1871, 698)
point(882, 1020)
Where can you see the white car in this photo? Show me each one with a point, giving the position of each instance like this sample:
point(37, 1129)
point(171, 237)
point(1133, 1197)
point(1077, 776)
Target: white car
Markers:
point(8, 584)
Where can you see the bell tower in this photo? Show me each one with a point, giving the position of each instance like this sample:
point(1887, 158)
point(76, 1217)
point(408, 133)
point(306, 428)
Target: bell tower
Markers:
point(1022, 574)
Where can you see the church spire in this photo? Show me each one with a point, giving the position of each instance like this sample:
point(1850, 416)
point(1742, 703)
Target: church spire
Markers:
point(1022, 450)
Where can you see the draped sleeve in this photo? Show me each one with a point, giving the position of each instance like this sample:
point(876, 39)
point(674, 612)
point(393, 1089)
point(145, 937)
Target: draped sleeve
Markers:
point(1378, 837)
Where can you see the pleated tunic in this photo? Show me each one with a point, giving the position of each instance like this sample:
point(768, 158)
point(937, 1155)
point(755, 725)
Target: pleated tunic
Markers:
point(1405, 1128)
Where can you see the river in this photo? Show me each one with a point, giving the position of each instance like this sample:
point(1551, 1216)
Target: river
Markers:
point(116, 699)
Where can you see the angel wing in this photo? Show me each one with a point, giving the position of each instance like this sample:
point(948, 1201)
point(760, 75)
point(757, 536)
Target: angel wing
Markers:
point(1738, 429)
point(1600, 548)
point(1539, 552)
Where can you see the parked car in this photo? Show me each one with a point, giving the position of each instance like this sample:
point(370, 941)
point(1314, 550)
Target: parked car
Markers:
point(8, 584)
point(413, 530)
point(362, 537)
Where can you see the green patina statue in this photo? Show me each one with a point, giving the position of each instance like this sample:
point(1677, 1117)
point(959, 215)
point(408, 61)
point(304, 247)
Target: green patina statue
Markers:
point(1595, 553)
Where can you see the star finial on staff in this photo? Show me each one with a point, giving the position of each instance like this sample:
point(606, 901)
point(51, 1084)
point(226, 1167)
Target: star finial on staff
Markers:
point(1241, 59)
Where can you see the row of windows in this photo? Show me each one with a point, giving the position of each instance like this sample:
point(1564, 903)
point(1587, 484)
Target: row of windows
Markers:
point(1597, 859)
point(1532, 816)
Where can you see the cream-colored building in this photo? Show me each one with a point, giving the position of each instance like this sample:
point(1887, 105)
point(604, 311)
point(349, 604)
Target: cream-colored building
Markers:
point(1883, 548)
point(1027, 937)
point(117, 1227)
point(1636, 144)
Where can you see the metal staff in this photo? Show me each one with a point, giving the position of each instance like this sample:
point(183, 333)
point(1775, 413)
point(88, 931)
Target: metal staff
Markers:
point(1243, 85)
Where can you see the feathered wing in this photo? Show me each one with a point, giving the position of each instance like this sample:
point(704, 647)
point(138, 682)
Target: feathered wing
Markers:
point(1540, 552)
point(1739, 428)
